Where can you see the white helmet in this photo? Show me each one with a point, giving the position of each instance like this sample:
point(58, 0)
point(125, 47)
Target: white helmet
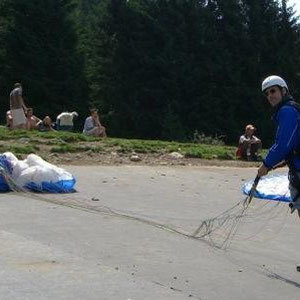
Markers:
point(273, 80)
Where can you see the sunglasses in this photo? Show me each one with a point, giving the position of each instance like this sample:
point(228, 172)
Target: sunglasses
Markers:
point(270, 92)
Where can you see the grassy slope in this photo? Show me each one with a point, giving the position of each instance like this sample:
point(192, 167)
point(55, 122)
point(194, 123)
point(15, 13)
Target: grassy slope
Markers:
point(25, 142)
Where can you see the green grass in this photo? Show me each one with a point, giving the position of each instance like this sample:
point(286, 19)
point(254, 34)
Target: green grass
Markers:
point(192, 150)
point(68, 137)
point(68, 142)
point(17, 149)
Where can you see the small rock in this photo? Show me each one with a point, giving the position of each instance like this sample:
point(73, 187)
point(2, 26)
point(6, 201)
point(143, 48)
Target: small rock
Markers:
point(176, 155)
point(298, 268)
point(240, 270)
point(135, 158)
point(23, 140)
point(53, 154)
point(95, 199)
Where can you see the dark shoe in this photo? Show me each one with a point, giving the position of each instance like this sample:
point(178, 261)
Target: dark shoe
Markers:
point(291, 206)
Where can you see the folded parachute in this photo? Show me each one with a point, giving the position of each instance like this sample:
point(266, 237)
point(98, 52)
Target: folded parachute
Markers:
point(274, 187)
point(34, 174)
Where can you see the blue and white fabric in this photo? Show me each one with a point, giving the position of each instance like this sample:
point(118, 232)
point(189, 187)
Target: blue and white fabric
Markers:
point(272, 187)
point(35, 174)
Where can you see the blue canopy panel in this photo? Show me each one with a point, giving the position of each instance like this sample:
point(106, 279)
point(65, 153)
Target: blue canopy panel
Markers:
point(3, 185)
point(273, 187)
point(61, 186)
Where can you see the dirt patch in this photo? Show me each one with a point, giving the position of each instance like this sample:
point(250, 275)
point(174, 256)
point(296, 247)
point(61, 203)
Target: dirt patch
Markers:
point(114, 158)
point(88, 154)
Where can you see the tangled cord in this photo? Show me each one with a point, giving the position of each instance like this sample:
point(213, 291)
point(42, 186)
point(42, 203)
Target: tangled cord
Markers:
point(218, 231)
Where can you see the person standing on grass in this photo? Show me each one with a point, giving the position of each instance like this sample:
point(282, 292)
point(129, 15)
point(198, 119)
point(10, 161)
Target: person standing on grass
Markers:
point(17, 107)
point(286, 147)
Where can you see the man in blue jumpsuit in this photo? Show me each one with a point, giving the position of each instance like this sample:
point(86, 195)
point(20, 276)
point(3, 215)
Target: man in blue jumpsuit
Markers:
point(286, 147)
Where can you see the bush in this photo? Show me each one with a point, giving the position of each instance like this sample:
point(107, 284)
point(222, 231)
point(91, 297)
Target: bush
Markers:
point(201, 138)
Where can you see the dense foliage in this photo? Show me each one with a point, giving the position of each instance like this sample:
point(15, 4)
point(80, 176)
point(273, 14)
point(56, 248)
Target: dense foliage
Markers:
point(158, 69)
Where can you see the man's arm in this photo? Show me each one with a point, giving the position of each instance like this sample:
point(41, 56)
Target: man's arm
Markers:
point(285, 140)
point(244, 140)
point(97, 119)
point(36, 119)
point(255, 140)
point(22, 102)
point(286, 137)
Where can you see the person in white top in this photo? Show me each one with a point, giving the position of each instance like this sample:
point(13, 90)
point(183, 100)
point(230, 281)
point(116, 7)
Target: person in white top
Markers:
point(249, 144)
point(65, 121)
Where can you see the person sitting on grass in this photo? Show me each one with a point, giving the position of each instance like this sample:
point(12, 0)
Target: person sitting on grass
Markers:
point(9, 120)
point(249, 145)
point(31, 120)
point(65, 121)
point(46, 124)
point(92, 125)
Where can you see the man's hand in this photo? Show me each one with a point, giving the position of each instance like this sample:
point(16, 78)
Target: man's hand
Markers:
point(262, 171)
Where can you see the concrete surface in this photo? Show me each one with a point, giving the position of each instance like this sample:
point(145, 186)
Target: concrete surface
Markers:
point(51, 251)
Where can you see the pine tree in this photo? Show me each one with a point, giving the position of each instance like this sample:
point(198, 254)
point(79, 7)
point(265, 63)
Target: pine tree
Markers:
point(41, 53)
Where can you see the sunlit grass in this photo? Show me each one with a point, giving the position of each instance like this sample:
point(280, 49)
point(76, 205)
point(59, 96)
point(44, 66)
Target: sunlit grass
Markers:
point(68, 142)
point(19, 149)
